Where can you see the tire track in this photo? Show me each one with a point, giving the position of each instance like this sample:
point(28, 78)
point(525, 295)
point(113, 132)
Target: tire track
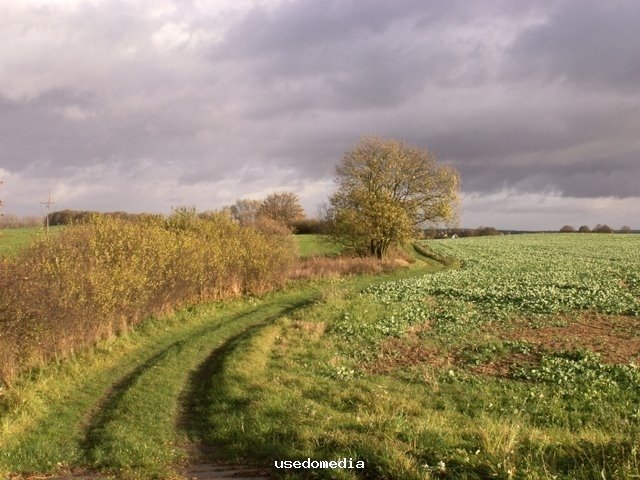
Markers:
point(99, 415)
point(205, 460)
point(80, 421)
point(179, 358)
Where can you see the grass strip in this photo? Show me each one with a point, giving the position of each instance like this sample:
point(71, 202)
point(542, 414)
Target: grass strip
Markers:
point(50, 420)
point(135, 429)
point(116, 407)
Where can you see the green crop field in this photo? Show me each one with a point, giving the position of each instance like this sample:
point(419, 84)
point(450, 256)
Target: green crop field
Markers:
point(517, 361)
point(520, 364)
point(13, 240)
point(313, 245)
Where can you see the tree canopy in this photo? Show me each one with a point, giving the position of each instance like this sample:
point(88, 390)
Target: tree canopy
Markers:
point(386, 191)
point(283, 207)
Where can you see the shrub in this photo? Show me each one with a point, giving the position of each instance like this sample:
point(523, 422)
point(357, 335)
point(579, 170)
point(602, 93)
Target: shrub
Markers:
point(567, 229)
point(94, 280)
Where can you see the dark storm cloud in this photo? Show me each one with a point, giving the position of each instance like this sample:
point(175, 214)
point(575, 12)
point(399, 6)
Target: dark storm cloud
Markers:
point(241, 98)
point(599, 177)
point(310, 57)
point(593, 43)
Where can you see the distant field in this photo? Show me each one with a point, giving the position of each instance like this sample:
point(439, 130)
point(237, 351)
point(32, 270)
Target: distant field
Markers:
point(14, 239)
point(312, 245)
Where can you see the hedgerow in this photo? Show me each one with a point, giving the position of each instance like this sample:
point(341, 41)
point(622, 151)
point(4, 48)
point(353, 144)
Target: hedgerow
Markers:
point(94, 280)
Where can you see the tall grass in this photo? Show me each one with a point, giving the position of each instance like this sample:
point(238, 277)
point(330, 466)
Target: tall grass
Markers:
point(91, 281)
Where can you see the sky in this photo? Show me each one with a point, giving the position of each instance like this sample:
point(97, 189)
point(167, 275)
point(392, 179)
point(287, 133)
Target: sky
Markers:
point(145, 105)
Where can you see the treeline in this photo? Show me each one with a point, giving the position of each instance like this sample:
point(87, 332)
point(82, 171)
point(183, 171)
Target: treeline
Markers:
point(79, 217)
point(597, 229)
point(14, 221)
point(97, 278)
point(282, 207)
point(460, 232)
point(299, 225)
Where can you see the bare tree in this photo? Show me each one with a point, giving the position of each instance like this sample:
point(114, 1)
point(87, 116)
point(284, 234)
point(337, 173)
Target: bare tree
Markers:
point(245, 210)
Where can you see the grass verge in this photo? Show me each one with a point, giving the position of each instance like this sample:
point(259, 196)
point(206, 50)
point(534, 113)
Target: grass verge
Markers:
point(316, 245)
point(115, 409)
point(12, 240)
point(127, 407)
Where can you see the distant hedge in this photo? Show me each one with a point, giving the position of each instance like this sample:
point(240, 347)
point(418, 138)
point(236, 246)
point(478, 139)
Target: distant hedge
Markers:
point(93, 280)
point(76, 217)
point(309, 225)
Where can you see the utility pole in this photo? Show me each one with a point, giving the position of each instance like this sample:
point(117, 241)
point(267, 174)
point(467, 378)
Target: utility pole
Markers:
point(1, 214)
point(48, 204)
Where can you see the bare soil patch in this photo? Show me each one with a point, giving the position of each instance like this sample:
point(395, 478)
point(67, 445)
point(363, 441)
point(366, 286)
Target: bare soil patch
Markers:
point(615, 338)
point(504, 366)
point(405, 352)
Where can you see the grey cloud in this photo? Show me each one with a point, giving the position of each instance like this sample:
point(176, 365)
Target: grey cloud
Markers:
point(310, 55)
point(594, 43)
point(306, 24)
point(612, 176)
point(513, 103)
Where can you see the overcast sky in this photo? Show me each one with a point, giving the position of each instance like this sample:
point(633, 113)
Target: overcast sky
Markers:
point(144, 105)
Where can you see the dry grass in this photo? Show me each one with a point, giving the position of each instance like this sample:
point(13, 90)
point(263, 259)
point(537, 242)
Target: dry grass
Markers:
point(327, 267)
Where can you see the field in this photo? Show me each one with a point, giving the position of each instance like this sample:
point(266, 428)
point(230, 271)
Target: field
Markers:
point(518, 360)
point(13, 239)
point(520, 364)
point(311, 245)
